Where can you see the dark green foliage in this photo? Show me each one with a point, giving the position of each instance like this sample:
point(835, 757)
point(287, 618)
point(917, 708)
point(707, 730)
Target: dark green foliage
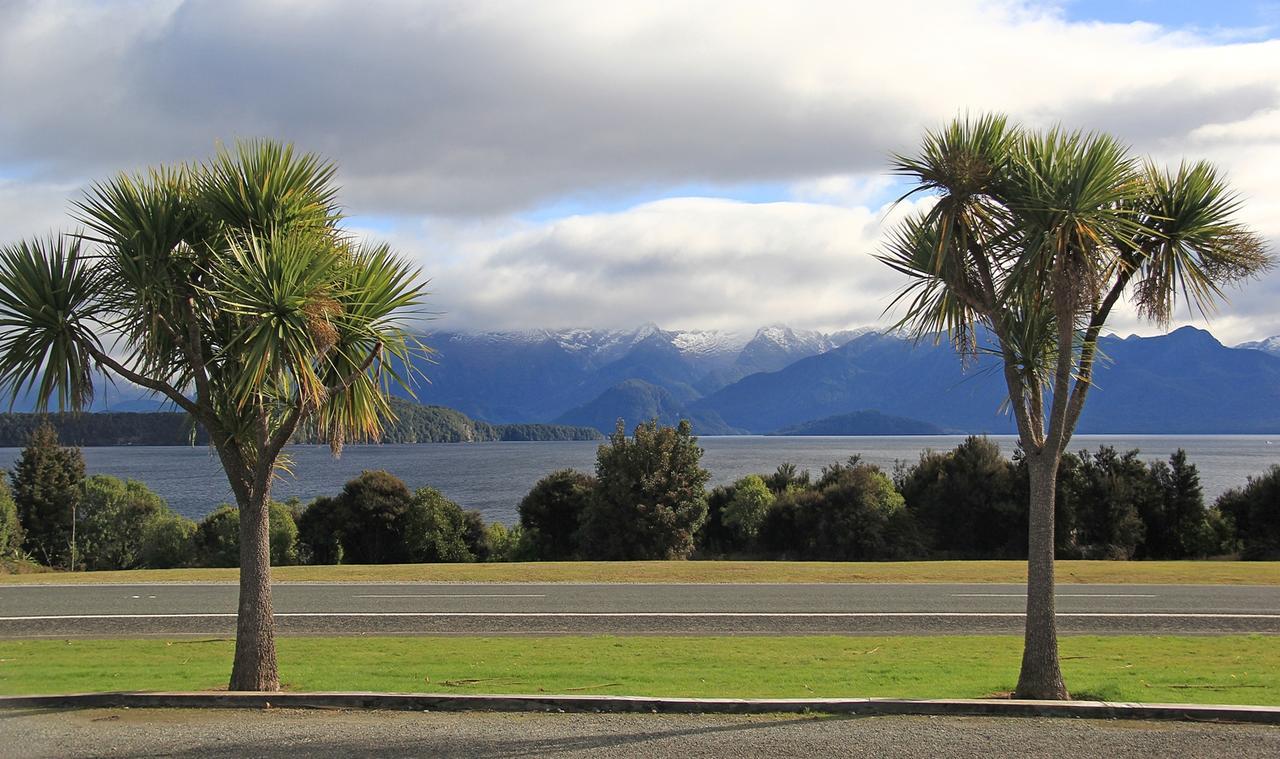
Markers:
point(111, 521)
point(105, 428)
point(1178, 526)
point(10, 527)
point(966, 502)
point(319, 531)
point(46, 489)
point(786, 478)
point(217, 538)
point(715, 538)
point(1108, 492)
point(1255, 512)
point(372, 526)
point(649, 499)
point(168, 540)
point(436, 529)
point(475, 535)
point(853, 513)
point(551, 514)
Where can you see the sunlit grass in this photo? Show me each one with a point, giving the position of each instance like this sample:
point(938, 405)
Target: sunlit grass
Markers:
point(1226, 669)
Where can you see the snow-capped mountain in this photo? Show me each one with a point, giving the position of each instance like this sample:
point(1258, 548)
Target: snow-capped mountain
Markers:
point(1268, 345)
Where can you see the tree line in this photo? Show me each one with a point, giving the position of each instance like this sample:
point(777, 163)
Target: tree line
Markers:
point(647, 499)
point(413, 423)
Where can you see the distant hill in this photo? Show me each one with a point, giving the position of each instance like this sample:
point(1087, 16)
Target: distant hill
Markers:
point(862, 423)
point(636, 401)
point(1269, 345)
point(414, 424)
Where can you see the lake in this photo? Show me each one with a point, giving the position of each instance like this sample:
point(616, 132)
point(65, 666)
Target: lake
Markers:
point(493, 477)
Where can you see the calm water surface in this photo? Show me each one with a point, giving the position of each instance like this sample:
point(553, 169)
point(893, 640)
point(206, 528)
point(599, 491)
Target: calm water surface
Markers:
point(493, 477)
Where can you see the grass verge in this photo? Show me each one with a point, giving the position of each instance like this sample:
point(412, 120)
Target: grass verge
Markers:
point(1226, 669)
point(1138, 572)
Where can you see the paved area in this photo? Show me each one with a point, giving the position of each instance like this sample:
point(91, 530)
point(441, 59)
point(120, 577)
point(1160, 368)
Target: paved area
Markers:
point(299, 733)
point(343, 609)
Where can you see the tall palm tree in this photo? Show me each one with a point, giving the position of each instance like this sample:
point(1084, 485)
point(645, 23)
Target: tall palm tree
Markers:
point(230, 290)
point(1034, 237)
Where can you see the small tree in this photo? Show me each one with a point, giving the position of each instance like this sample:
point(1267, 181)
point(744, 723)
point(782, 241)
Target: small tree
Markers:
point(747, 509)
point(1035, 237)
point(217, 538)
point(230, 290)
point(320, 530)
point(10, 527)
point(46, 489)
point(649, 499)
point(551, 514)
point(168, 541)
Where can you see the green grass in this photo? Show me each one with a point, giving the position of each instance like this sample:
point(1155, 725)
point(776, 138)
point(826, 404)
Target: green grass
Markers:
point(1226, 669)
point(1139, 572)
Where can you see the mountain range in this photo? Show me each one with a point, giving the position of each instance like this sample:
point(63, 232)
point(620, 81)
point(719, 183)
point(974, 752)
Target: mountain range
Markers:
point(1183, 382)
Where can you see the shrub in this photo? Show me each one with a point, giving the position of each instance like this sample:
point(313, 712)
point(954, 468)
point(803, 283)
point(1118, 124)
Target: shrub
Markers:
point(1109, 492)
point(1255, 512)
point(714, 537)
point(217, 538)
point(551, 514)
point(649, 499)
point(436, 529)
point(854, 513)
point(46, 490)
point(168, 541)
point(372, 524)
point(319, 530)
point(111, 519)
point(503, 544)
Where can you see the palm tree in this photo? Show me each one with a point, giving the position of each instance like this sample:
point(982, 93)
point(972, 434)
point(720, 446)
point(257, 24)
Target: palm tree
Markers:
point(1031, 241)
point(229, 290)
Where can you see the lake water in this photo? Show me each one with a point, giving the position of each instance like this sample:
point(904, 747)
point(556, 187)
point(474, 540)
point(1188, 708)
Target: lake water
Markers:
point(493, 477)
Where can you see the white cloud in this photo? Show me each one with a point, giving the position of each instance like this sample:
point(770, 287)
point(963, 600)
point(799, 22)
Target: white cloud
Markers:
point(459, 115)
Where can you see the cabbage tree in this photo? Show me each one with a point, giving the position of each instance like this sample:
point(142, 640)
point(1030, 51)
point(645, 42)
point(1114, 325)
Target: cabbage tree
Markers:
point(1033, 239)
point(230, 290)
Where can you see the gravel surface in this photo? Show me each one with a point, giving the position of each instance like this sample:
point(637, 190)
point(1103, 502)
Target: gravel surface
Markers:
point(297, 733)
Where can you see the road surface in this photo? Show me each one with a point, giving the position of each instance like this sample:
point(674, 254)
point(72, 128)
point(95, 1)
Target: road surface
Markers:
point(298, 733)
point(400, 609)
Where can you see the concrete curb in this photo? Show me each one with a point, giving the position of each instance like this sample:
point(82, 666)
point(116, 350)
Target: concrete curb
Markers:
point(622, 704)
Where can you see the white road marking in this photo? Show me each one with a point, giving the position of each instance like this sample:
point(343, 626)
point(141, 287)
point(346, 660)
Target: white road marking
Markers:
point(1057, 595)
point(452, 595)
point(650, 614)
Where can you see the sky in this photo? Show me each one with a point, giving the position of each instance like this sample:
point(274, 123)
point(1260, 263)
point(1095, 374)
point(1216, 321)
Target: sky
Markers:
point(701, 165)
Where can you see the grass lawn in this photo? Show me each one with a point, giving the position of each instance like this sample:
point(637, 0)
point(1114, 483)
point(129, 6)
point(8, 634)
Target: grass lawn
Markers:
point(1142, 572)
point(1220, 669)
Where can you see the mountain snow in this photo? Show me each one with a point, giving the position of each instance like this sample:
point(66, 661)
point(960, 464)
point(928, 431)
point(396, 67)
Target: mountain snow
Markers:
point(1269, 345)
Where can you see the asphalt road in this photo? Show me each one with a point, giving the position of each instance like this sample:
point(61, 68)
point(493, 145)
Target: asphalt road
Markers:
point(345, 609)
point(299, 733)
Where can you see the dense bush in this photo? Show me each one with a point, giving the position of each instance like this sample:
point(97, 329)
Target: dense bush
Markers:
point(853, 513)
point(436, 529)
point(745, 513)
point(551, 515)
point(372, 519)
point(46, 490)
point(168, 540)
point(111, 520)
point(966, 502)
point(217, 539)
point(649, 498)
point(319, 531)
point(1254, 511)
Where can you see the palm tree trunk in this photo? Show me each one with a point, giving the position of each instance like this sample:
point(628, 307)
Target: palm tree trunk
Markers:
point(254, 668)
point(1041, 675)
